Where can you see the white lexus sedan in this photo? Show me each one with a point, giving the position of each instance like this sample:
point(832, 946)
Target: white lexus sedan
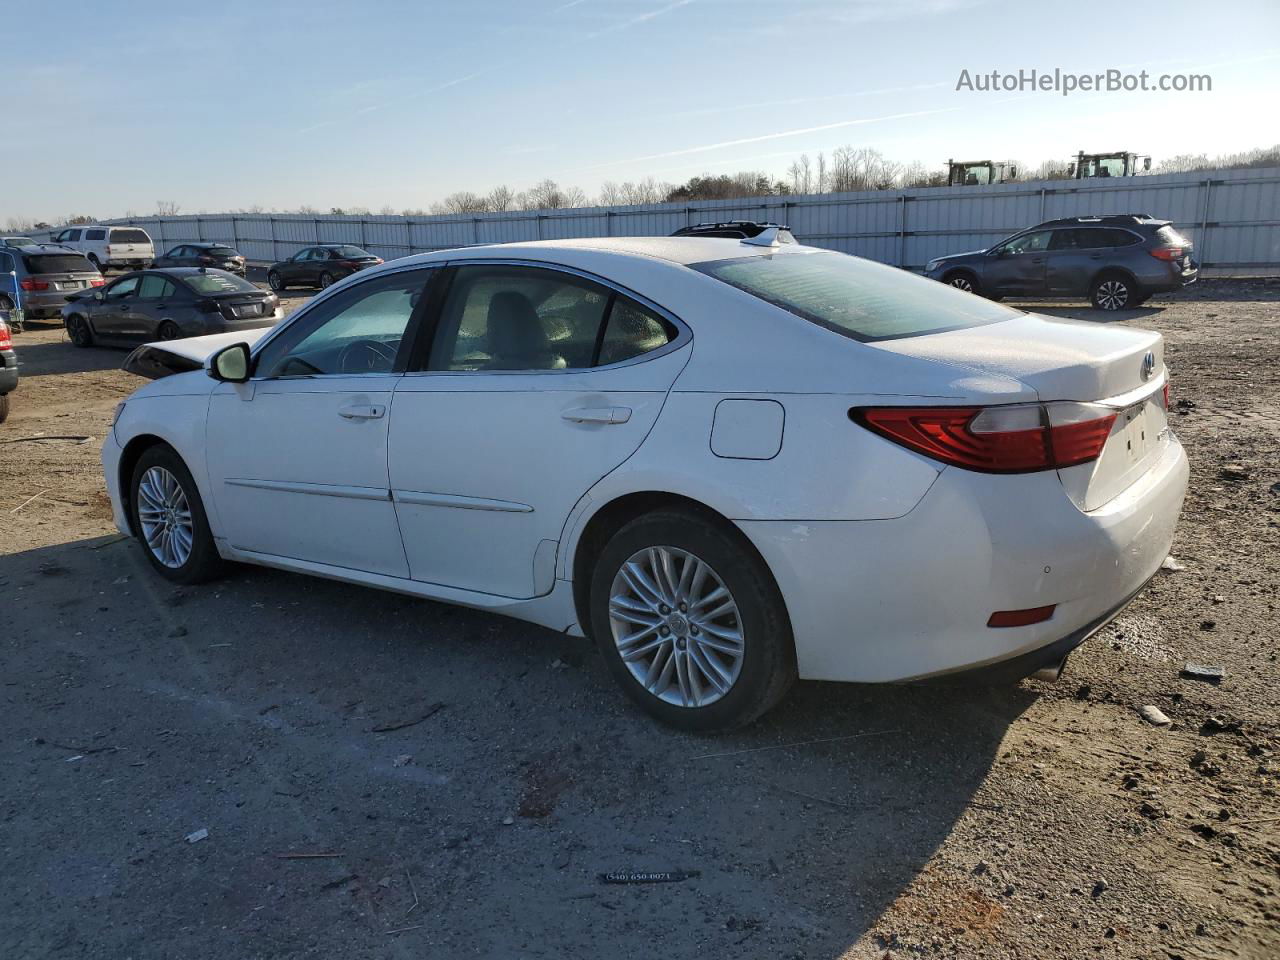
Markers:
point(731, 463)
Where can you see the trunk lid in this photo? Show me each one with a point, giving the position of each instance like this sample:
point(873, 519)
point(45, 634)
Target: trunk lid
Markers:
point(1119, 367)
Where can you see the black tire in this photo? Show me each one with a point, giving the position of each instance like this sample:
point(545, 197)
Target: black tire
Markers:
point(326, 280)
point(276, 282)
point(203, 562)
point(768, 660)
point(78, 330)
point(4, 407)
point(963, 280)
point(168, 331)
point(1114, 291)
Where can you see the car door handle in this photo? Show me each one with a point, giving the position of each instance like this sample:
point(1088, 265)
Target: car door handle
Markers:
point(1037, 259)
point(362, 411)
point(598, 414)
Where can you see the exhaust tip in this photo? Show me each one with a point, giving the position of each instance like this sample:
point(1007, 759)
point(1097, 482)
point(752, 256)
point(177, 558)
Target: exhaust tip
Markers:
point(1050, 674)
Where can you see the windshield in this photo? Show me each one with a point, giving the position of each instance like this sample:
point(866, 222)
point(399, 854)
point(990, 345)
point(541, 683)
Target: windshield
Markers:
point(859, 298)
point(346, 250)
point(58, 263)
point(215, 282)
point(19, 242)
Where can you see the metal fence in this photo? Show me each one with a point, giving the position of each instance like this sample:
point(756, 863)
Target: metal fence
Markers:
point(1233, 216)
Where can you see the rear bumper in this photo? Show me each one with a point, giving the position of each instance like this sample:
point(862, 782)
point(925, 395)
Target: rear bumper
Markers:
point(909, 599)
point(8, 371)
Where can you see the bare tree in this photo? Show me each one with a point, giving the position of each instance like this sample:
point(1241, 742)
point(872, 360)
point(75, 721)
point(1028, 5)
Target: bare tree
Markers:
point(549, 195)
point(611, 194)
point(464, 201)
point(501, 199)
point(801, 174)
point(19, 225)
point(167, 208)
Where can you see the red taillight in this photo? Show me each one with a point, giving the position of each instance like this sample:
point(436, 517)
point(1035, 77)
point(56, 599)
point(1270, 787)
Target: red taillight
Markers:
point(1018, 438)
point(1021, 618)
point(96, 282)
point(1166, 253)
point(29, 284)
point(6, 342)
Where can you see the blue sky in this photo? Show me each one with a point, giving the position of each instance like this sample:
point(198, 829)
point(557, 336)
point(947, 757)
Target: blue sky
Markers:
point(370, 103)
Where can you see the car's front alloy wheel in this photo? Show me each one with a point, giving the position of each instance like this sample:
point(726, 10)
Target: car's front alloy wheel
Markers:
point(690, 621)
point(78, 330)
point(961, 281)
point(169, 518)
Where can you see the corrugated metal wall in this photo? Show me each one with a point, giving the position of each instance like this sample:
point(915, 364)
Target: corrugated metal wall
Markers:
point(1232, 215)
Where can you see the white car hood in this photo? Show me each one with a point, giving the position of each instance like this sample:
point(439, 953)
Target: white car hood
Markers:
point(201, 349)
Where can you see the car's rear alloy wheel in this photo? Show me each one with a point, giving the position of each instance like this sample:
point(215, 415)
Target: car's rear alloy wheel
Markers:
point(691, 622)
point(78, 330)
point(169, 518)
point(676, 626)
point(326, 280)
point(1111, 293)
point(275, 281)
point(168, 331)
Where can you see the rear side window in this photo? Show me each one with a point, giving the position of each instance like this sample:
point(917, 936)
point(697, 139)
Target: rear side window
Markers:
point(155, 287)
point(1119, 238)
point(124, 236)
point(95, 234)
point(58, 263)
point(519, 318)
point(221, 252)
point(858, 298)
point(631, 331)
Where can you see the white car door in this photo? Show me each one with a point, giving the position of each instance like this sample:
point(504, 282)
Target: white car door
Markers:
point(539, 382)
point(297, 456)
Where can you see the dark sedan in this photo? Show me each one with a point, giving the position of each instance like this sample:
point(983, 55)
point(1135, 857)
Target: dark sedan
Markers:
point(217, 255)
point(168, 304)
point(320, 266)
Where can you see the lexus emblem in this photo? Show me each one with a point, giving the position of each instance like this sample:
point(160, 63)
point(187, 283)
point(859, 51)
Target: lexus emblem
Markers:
point(1148, 365)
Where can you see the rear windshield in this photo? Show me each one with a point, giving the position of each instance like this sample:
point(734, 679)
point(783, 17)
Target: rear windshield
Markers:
point(222, 251)
point(129, 236)
point(350, 251)
point(859, 298)
point(58, 263)
point(1172, 237)
point(215, 281)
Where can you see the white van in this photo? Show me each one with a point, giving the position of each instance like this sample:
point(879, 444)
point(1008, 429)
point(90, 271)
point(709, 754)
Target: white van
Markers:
point(127, 247)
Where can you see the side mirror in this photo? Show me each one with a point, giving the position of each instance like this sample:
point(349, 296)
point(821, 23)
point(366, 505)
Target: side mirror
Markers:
point(231, 364)
point(99, 295)
point(1146, 163)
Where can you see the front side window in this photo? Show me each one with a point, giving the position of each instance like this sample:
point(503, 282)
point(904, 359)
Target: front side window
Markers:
point(69, 235)
point(359, 330)
point(858, 298)
point(303, 254)
point(123, 288)
point(1032, 242)
point(519, 318)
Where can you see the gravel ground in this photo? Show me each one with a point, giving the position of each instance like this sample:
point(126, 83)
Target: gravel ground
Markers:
point(1027, 821)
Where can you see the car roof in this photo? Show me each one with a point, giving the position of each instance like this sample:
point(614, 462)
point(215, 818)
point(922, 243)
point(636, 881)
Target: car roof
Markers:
point(680, 250)
point(51, 248)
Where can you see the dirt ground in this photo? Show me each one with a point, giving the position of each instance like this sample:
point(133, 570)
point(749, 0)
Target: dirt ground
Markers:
point(386, 777)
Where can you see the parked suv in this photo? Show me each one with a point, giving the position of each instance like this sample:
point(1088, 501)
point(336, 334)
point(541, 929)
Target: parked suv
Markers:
point(1116, 261)
point(734, 230)
point(38, 278)
point(127, 247)
point(217, 255)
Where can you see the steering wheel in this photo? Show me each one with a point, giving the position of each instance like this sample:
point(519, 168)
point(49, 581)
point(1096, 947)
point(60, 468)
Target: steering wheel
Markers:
point(366, 356)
